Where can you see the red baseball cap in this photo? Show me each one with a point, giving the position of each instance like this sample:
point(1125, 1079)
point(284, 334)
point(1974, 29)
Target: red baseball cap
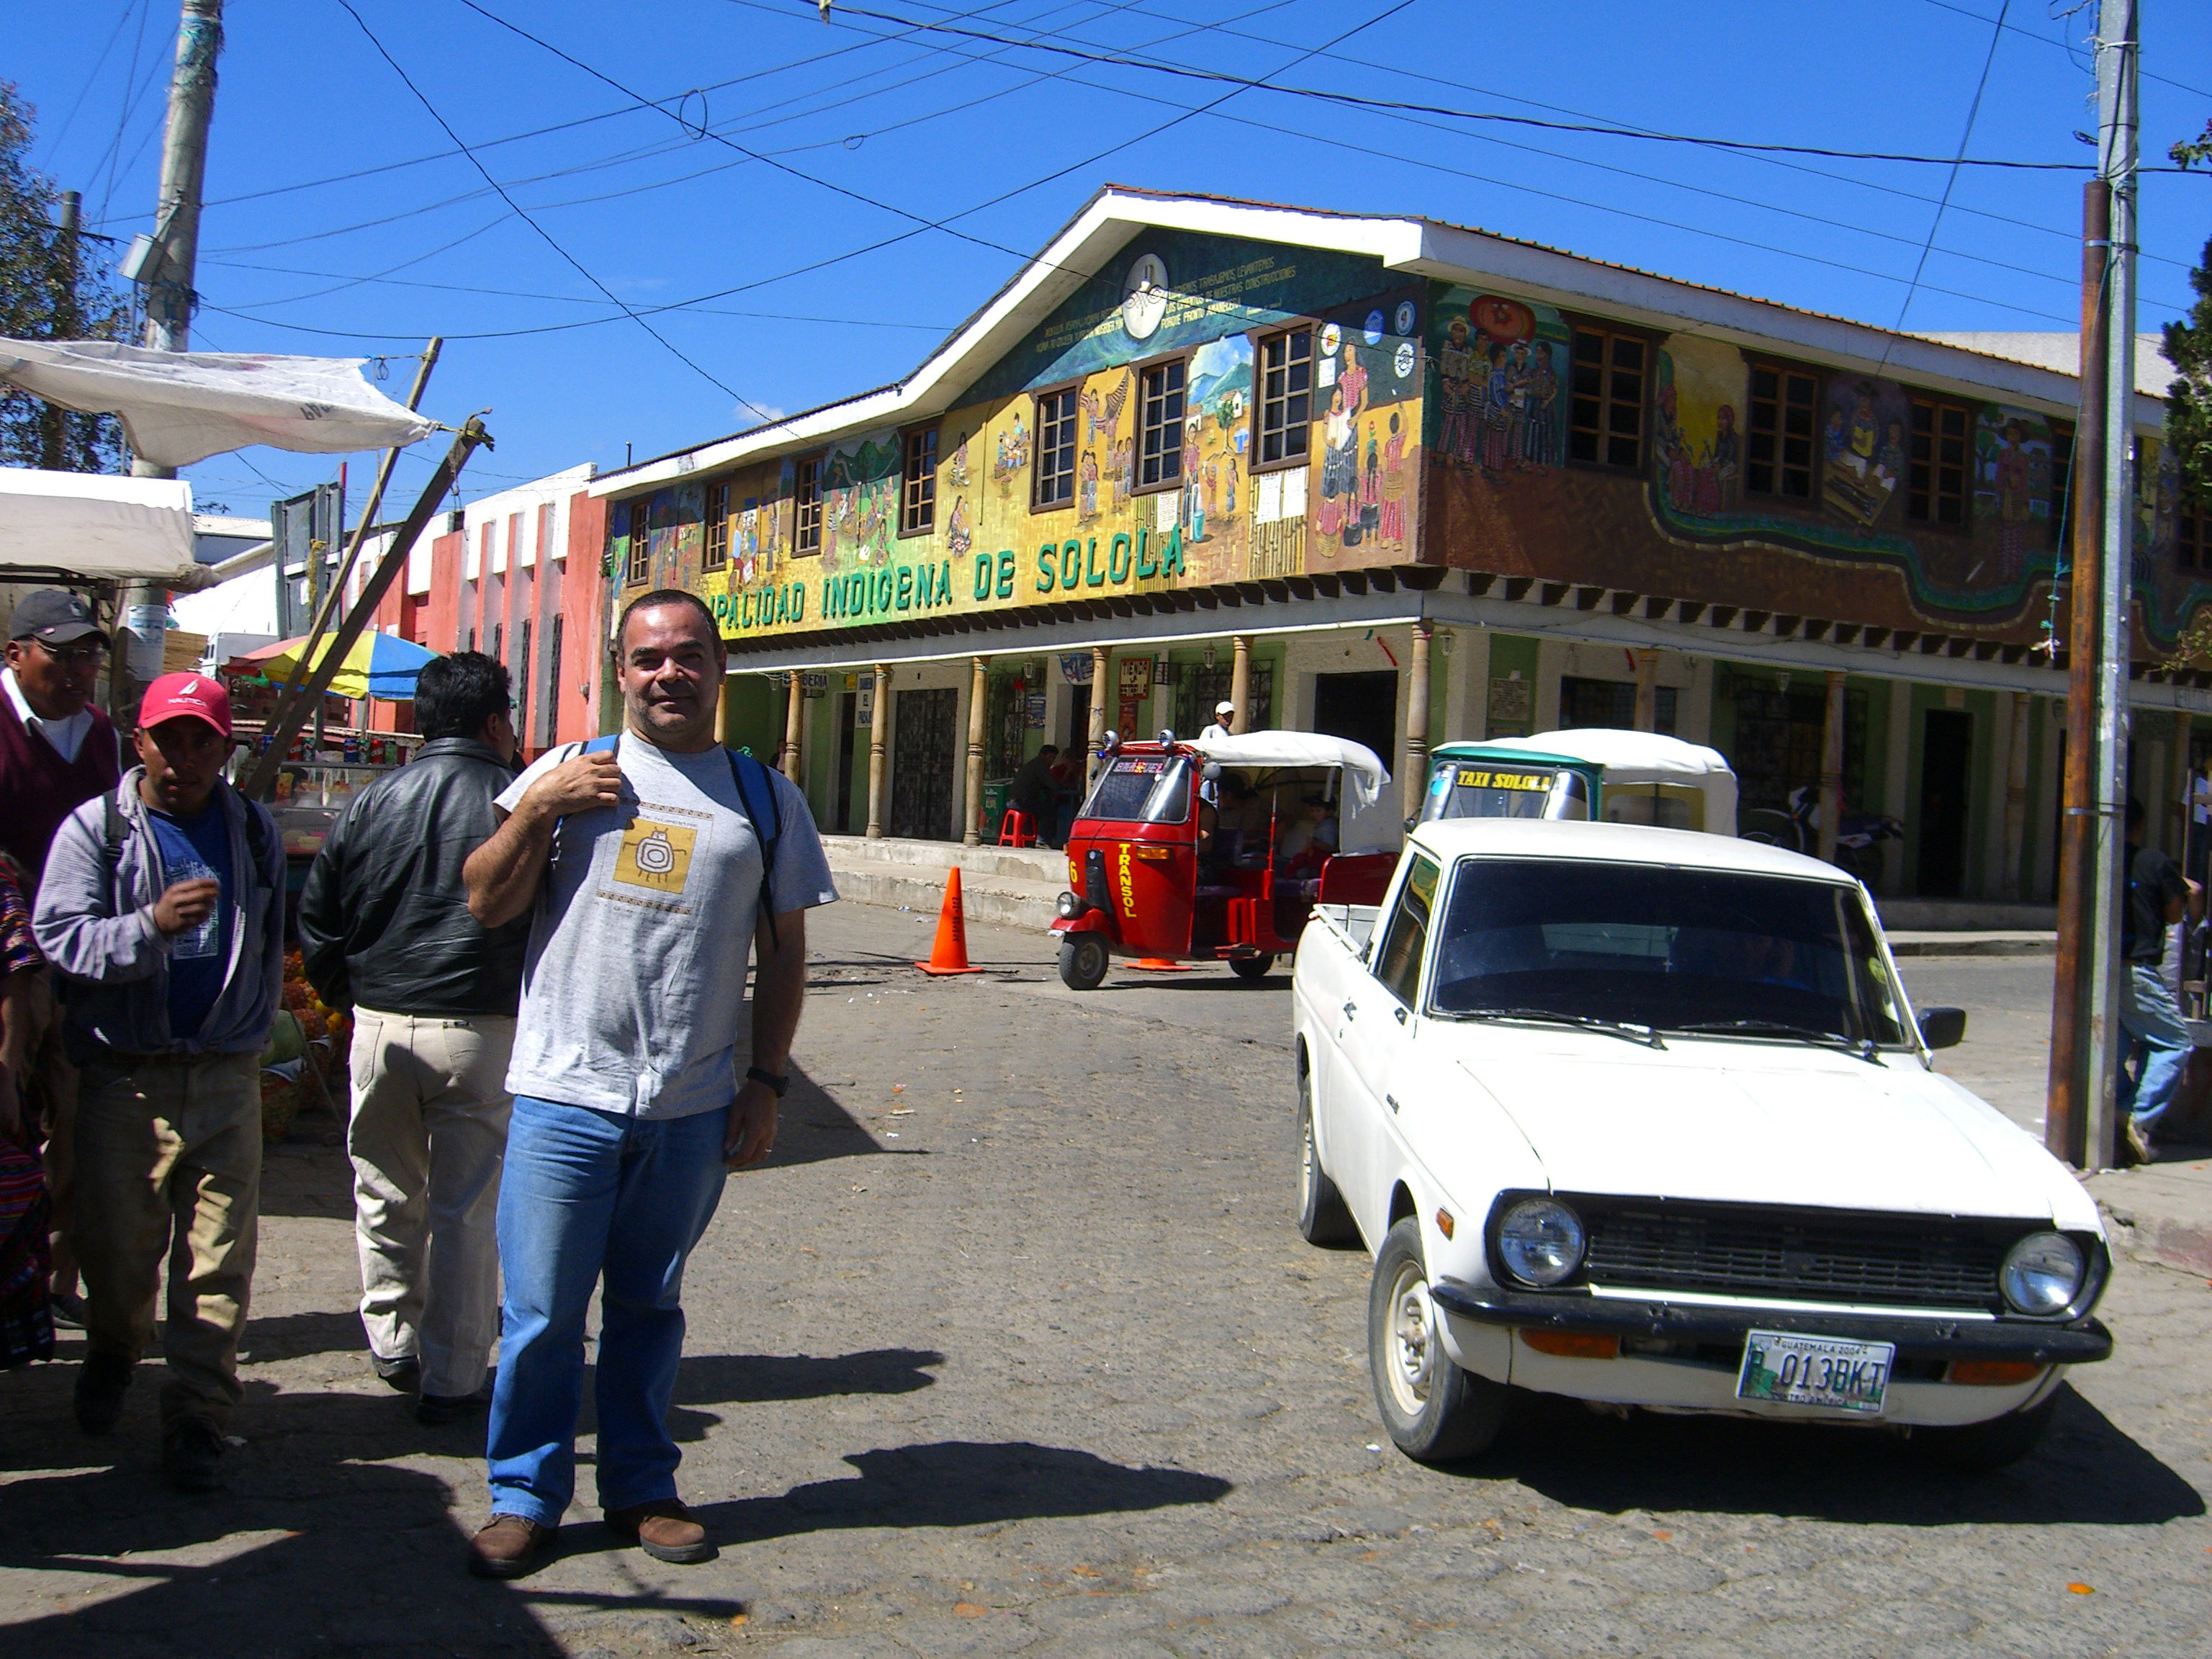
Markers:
point(182, 697)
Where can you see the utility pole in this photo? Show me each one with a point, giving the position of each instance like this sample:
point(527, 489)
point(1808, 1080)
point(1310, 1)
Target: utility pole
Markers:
point(2084, 1033)
point(54, 419)
point(166, 264)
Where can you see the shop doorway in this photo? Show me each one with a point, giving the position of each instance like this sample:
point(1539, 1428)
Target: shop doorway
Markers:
point(1078, 741)
point(1947, 742)
point(921, 765)
point(849, 718)
point(1361, 707)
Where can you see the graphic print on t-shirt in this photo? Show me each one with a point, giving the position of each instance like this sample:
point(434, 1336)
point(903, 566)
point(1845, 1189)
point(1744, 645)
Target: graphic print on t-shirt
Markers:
point(655, 855)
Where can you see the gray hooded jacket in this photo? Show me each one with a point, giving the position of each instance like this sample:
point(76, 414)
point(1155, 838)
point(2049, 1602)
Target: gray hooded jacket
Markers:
point(96, 927)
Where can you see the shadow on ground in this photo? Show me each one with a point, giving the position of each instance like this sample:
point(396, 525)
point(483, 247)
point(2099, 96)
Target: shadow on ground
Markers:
point(2088, 1471)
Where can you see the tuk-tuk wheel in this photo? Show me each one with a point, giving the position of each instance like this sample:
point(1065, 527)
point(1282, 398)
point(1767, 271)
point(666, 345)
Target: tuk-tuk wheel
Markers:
point(1250, 969)
point(1082, 962)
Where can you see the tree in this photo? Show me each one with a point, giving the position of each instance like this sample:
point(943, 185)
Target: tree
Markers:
point(2188, 349)
point(45, 295)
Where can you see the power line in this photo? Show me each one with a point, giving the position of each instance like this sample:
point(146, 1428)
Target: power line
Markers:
point(542, 232)
point(53, 144)
point(2066, 46)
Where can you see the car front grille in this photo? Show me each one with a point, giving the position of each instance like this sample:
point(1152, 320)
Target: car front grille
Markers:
point(1897, 1261)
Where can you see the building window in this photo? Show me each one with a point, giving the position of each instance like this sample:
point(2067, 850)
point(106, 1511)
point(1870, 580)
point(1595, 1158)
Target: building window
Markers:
point(1779, 459)
point(1055, 448)
point(1285, 395)
point(1612, 703)
point(640, 565)
point(1935, 476)
point(553, 687)
point(807, 537)
point(717, 552)
point(2062, 486)
point(498, 641)
point(1606, 423)
point(1160, 426)
point(918, 501)
point(522, 685)
point(2192, 535)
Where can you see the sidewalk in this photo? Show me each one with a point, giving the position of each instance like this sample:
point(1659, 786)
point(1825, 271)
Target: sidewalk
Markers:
point(2160, 1213)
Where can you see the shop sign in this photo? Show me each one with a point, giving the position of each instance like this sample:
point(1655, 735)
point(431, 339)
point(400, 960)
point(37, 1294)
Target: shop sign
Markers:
point(814, 685)
point(864, 705)
point(1136, 677)
point(1075, 667)
point(1035, 713)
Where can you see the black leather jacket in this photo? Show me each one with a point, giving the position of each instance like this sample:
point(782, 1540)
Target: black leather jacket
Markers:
point(385, 921)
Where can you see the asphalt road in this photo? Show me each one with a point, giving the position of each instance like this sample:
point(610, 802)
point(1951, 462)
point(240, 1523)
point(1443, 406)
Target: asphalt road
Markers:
point(1014, 1349)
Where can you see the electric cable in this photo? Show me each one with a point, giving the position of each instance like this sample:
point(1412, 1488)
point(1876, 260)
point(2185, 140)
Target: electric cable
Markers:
point(54, 144)
point(2066, 46)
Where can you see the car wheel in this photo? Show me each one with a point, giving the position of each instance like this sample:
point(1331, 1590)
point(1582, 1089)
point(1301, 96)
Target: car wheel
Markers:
point(1323, 1217)
point(1991, 1445)
point(1434, 1411)
point(1082, 962)
point(1250, 969)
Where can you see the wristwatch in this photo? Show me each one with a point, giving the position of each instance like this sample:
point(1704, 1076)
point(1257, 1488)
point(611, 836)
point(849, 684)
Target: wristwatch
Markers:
point(781, 1085)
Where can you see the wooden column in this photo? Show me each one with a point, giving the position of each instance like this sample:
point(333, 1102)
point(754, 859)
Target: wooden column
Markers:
point(1413, 774)
point(793, 714)
point(1099, 692)
point(1647, 690)
point(2015, 805)
point(879, 736)
point(2177, 792)
point(1832, 765)
point(1240, 685)
point(979, 686)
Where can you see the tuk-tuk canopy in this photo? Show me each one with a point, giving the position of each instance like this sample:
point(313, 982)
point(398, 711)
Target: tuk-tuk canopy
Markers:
point(1364, 780)
point(1645, 757)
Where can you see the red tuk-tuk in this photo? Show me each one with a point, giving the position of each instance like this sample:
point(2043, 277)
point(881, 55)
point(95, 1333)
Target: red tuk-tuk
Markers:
point(1218, 849)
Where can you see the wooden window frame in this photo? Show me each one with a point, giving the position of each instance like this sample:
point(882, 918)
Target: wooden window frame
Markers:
point(1747, 432)
point(637, 563)
point(1261, 339)
point(1610, 332)
point(2063, 437)
point(1932, 518)
point(924, 522)
point(1157, 366)
point(806, 508)
point(2192, 533)
point(1070, 389)
point(714, 546)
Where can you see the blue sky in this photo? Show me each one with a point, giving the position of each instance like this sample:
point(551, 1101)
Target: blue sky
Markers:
point(794, 165)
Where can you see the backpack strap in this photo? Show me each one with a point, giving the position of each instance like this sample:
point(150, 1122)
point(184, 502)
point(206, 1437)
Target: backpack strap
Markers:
point(756, 789)
point(112, 830)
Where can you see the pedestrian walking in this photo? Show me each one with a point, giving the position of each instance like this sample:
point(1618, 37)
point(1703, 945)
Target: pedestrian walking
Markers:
point(651, 865)
point(27, 1322)
point(57, 751)
point(385, 927)
point(2158, 895)
point(162, 904)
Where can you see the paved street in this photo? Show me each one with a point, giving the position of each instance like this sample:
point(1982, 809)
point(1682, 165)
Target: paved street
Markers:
point(1015, 1349)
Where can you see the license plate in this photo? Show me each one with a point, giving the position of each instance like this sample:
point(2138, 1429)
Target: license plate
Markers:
point(1785, 1369)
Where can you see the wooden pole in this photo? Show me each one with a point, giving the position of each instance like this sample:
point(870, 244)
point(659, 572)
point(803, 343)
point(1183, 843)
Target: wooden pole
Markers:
point(1647, 690)
point(794, 727)
point(2065, 1122)
point(979, 686)
point(879, 737)
point(2015, 811)
point(292, 713)
point(1240, 685)
point(1413, 777)
point(1832, 766)
point(1098, 733)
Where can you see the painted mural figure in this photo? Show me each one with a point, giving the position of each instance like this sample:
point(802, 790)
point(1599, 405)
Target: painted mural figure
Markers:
point(1540, 437)
point(1857, 485)
point(956, 472)
point(1497, 425)
point(1392, 520)
point(959, 533)
point(2013, 477)
point(1087, 477)
point(1456, 392)
point(1723, 460)
point(1194, 503)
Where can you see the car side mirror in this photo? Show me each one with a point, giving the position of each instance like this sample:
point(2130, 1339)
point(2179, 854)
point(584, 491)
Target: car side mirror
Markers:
point(1942, 1028)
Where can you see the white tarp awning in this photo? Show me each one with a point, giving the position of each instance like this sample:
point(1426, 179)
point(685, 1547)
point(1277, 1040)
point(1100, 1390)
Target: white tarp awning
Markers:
point(96, 525)
point(1364, 780)
point(179, 407)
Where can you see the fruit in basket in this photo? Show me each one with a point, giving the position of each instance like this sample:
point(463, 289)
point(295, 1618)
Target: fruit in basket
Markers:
point(280, 1104)
point(297, 996)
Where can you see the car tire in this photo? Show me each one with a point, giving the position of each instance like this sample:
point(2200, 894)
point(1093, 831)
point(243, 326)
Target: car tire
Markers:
point(1434, 1411)
point(1082, 962)
point(1250, 969)
point(1980, 1447)
point(1323, 1220)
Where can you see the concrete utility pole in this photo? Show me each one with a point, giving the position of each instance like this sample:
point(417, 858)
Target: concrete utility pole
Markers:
point(168, 271)
point(53, 419)
point(2085, 1034)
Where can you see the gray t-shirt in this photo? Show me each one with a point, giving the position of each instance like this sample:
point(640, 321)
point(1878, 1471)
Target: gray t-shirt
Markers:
point(634, 987)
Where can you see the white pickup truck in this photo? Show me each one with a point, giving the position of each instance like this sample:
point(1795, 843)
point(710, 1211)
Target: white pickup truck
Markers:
point(1643, 1117)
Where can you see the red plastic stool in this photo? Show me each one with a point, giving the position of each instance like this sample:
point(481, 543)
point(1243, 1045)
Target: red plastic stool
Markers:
point(1015, 829)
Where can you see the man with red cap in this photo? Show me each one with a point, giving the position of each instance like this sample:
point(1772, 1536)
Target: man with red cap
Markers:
point(162, 906)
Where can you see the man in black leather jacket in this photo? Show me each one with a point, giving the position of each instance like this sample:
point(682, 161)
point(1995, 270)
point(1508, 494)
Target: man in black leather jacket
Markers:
point(384, 926)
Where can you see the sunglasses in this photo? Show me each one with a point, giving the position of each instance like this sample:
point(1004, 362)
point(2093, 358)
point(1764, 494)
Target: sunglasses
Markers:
point(73, 656)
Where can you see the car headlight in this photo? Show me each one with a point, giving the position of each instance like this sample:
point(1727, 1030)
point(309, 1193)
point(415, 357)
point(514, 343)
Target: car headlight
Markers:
point(1071, 905)
point(1540, 1242)
point(2042, 1274)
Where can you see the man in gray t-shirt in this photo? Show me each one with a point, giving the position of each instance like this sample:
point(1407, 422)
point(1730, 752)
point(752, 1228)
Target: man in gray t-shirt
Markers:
point(641, 868)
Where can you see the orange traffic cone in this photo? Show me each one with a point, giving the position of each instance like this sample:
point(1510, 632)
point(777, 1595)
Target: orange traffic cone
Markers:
point(950, 954)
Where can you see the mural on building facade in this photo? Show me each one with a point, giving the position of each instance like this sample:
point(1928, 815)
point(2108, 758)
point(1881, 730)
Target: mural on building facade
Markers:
point(1500, 383)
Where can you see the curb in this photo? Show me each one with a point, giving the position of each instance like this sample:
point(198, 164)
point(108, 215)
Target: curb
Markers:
point(1000, 903)
point(2166, 1239)
point(1973, 944)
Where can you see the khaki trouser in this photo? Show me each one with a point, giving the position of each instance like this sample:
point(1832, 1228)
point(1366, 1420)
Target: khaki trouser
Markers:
point(53, 1081)
point(427, 1137)
point(168, 1160)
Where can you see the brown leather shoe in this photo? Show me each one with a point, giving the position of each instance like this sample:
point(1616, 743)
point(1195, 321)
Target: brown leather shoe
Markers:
point(509, 1546)
point(664, 1529)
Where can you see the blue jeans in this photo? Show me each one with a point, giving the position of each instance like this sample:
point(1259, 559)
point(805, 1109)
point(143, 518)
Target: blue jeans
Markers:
point(2149, 1015)
point(587, 1195)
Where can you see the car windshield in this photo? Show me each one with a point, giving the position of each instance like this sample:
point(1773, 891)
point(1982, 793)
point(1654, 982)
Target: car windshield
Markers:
point(1673, 949)
point(1142, 789)
point(1478, 789)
